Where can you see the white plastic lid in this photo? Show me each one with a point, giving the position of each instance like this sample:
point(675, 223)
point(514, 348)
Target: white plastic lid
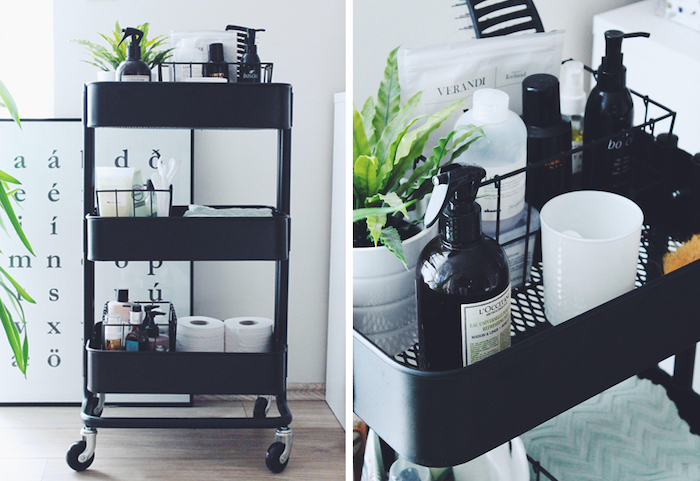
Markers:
point(490, 106)
point(572, 96)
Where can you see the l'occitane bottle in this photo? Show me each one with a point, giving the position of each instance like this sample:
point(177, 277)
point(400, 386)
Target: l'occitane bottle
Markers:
point(462, 278)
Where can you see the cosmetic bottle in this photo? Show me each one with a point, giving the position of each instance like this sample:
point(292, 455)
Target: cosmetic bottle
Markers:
point(136, 339)
point(112, 332)
point(462, 278)
point(155, 339)
point(249, 69)
point(503, 149)
point(573, 106)
point(609, 111)
point(548, 134)
point(216, 66)
point(133, 69)
point(121, 306)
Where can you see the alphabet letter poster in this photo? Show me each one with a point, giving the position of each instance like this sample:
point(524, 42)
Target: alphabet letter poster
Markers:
point(46, 157)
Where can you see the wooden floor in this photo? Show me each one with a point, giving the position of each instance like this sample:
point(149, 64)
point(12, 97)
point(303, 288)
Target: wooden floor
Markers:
point(34, 442)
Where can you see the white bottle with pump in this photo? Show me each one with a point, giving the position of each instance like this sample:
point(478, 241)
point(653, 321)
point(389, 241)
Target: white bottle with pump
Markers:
point(573, 105)
point(502, 150)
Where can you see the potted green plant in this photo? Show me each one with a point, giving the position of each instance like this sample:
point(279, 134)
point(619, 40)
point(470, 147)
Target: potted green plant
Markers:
point(11, 292)
point(390, 178)
point(108, 58)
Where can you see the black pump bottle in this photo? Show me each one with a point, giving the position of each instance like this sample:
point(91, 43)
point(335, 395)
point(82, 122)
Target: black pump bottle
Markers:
point(462, 278)
point(249, 70)
point(133, 69)
point(609, 111)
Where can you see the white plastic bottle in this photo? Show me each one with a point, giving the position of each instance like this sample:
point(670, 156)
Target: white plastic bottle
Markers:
point(573, 105)
point(503, 150)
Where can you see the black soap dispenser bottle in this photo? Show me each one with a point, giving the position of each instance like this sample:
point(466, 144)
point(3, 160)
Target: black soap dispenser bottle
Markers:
point(609, 111)
point(462, 278)
point(249, 70)
point(133, 69)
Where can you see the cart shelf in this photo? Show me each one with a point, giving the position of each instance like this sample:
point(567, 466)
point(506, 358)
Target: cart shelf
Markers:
point(448, 418)
point(190, 238)
point(187, 372)
point(189, 105)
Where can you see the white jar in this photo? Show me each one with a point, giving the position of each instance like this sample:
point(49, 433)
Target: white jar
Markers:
point(502, 150)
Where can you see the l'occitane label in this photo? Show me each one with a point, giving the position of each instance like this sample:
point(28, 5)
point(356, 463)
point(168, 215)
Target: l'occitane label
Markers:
point(485, 327)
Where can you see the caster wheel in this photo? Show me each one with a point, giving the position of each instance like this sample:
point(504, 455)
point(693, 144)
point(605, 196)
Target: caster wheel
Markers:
point(260, 408)
point(272, 458)
point(73, 457)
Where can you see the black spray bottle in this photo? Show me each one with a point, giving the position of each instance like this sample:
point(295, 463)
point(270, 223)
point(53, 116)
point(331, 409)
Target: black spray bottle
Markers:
point(133, 69)
point(462, 278)
point(609, 110)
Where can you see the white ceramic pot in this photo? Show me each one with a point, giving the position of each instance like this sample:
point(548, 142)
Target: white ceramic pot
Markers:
point(106, 76)
point(384, 290)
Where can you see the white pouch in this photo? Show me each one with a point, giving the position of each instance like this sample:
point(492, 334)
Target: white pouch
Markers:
point(450, 72)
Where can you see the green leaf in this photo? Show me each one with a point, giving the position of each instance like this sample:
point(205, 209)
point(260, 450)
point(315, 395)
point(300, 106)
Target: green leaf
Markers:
point(375, 224)
point(413, 143)
point(7, 207)
point(388, 142)
point(425, 171)
point(13, 337)
point(389, 95)
point(16, 285)
point(364, 174)
point(472, 130)
point(365, 212)
point(360, 145)
point(5, 177)
point(392, 240)
point(9, 103)
point(367, 115)
point(395, 202)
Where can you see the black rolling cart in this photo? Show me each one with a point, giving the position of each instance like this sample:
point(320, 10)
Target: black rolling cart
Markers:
point(451, 417)
point(177, 238)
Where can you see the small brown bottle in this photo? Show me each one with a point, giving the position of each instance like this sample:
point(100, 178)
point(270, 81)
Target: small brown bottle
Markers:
point(136, 339)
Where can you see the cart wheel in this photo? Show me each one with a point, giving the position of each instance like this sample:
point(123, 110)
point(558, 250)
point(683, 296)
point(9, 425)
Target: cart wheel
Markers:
point(73, 457)
point(260, 409)
point(273, 458)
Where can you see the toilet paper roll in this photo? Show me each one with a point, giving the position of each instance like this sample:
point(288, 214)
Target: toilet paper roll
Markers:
point(248, 334)
point(200, 327)
point(200, 334)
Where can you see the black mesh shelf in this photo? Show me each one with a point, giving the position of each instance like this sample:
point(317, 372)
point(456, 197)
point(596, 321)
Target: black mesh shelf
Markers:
point(547, 370)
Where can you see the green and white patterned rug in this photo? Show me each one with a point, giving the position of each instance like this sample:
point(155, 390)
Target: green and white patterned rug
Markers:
point(632, 431)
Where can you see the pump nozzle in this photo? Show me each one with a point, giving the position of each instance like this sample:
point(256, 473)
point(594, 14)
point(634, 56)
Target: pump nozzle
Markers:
point(613, 48)
point(455, 184)
point(250, 35)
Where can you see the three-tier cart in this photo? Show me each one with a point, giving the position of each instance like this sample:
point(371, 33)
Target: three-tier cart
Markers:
point(189, 106)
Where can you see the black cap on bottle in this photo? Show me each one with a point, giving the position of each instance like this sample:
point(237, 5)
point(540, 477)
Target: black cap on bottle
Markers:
point(541, 101)
point(453, 201)
point(123, 295)
point(612, 73)
point(216, 52)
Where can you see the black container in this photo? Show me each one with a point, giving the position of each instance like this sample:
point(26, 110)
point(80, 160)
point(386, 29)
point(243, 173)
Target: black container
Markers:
point(216, 66)
point(548, 134)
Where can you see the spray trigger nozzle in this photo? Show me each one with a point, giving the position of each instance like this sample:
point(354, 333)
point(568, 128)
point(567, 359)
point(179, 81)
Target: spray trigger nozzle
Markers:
point(131, 32)
point(456, 183)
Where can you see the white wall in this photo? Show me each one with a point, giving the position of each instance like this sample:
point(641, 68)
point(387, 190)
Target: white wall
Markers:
point(381, 26)
point(305, 40)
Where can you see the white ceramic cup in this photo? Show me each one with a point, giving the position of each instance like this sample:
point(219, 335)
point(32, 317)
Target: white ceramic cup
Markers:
point(590, 247)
